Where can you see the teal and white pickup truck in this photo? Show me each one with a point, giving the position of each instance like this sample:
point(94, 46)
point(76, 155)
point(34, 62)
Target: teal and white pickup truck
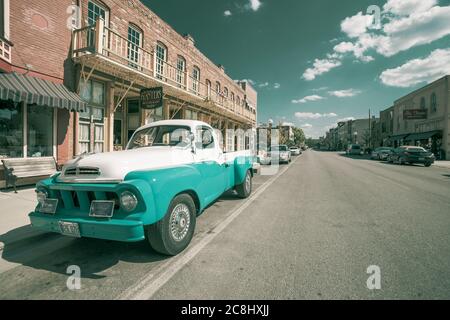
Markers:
point(169, 173)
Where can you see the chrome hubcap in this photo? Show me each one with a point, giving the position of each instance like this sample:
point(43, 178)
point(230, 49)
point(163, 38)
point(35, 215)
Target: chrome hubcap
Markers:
point(180, 221)
point(248, 183)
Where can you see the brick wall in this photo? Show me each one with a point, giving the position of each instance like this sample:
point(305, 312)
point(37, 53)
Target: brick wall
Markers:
point(40, 37)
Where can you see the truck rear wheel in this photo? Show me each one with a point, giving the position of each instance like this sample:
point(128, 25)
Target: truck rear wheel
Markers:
point(245, 189)
point(174, 232)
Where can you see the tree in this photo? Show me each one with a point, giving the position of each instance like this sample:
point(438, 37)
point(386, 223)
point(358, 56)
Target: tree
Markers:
point(299, 136)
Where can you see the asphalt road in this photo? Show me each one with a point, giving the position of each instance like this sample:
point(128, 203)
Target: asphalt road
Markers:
point(310, 232)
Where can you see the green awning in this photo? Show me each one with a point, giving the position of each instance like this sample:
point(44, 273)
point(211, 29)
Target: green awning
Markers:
point(31, 90)
point(423, 135)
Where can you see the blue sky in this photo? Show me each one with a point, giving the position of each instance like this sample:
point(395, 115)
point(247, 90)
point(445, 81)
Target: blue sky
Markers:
point(317, 62)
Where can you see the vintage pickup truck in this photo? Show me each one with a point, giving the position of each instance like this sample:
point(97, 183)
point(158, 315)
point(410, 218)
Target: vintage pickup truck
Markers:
point(169, 173)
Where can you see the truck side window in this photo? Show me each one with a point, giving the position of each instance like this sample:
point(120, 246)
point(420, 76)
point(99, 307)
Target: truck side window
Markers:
point(205, 138)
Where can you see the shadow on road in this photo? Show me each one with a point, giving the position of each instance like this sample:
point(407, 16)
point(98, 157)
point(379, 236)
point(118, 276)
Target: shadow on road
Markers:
point(355, 157)
point(53, 252)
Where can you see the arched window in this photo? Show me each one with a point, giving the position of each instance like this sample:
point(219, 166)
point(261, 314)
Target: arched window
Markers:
point(232, 98)
point(433, 102)
point(134, 45)
point(161, 60)
point(218, 88)
point(181, 71)
point(423, 103)
point(195, 79)
point(225, 92)
point(208, 88)
point(238, 101)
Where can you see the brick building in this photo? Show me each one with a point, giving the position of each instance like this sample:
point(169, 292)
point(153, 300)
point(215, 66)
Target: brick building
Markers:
point(107, 52)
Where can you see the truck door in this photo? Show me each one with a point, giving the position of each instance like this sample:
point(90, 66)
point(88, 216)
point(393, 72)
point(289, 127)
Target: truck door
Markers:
point(210, 163)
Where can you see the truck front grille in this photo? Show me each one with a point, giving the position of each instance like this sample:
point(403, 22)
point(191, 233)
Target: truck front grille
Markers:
point(81, 200)
point(82, 171)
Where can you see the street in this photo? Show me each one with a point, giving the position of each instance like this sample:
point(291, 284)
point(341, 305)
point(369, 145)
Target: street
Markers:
point(310, 232)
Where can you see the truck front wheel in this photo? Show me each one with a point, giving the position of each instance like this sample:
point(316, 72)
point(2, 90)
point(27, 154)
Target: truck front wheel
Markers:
point(174, 232)
point(245, 189)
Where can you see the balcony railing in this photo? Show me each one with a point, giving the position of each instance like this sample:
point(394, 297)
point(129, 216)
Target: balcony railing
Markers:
point(101, 40)
point(5, 50)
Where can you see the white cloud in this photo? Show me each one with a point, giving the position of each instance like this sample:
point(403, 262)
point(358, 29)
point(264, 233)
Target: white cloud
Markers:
point(288, 124)
point(320, 66)
point(345, 93)
point(227, 13)
point(276, 86)
point(356, 25)
point(311, 115)
point(417, 71)
point(406, 7)
point(254, 5)
point(407, 24)
point(314, 97)
point(307, 126)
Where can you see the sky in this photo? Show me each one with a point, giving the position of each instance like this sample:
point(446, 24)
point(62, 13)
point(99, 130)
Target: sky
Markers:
point(315, 63)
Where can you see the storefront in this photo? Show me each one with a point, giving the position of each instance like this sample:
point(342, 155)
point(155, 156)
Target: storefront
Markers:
point(431, 140)
point(29, 116)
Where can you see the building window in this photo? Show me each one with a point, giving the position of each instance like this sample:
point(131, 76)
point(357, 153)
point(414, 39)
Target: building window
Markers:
point(433, 102)
point(423, 103)
point(161, 60)
point(181, 71)
point(134, 44)
point(3, 19)
point(208, 89)
point(195, 79)
point(232, 98)
point(225, 92)
point(91, 121)
point(95, 11)
point(218, 88)
point(39, 131)
point(11, 129)
point(238, 101)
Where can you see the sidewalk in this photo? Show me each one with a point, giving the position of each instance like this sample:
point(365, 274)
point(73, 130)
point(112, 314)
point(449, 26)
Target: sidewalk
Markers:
point(442, 164)
point(14, 210)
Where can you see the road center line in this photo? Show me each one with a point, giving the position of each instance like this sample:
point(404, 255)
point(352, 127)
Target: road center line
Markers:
point(150, 284)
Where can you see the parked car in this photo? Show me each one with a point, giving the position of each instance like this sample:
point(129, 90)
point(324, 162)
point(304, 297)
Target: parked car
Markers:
point(381, 153)
point(411, 155)
point(354, 149)
point(169, 173)
point(277, 154)
point(295, 151)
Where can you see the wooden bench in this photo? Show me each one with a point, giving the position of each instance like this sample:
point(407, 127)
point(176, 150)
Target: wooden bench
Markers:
point(27, 168)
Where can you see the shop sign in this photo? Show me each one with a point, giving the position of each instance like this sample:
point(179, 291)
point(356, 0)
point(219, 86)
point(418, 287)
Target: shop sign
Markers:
point(415, 114)
point(152, 98)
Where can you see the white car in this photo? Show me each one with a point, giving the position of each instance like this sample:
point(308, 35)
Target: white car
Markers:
point(295, 151)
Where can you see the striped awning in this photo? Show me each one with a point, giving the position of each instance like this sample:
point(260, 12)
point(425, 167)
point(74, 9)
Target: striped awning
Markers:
point(22, 88)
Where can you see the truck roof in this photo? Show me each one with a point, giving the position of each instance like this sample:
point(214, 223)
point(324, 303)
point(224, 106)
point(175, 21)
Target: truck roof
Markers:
point(177, 122)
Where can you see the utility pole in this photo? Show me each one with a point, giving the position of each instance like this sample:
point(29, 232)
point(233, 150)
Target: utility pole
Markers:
point(370, 131)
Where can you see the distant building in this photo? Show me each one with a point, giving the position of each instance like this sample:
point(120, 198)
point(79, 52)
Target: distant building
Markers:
point(433, 131)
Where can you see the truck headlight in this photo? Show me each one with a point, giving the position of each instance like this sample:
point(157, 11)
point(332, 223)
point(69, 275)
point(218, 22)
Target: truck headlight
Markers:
point(128, 201)
point(41, 195)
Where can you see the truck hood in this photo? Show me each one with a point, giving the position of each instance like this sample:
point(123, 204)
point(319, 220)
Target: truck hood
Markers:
point(114, 166)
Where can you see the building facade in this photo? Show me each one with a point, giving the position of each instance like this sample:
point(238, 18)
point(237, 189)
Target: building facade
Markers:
point(107, 52)
point(431, 132)
point(386, 127)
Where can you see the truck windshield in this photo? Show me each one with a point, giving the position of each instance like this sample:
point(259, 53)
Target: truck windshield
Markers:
point(171, 136)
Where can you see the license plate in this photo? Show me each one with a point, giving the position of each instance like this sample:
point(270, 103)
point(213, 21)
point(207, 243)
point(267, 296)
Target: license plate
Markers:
point(421, 159)
point(102, 209)
point(70, 229)
point(49, 206)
